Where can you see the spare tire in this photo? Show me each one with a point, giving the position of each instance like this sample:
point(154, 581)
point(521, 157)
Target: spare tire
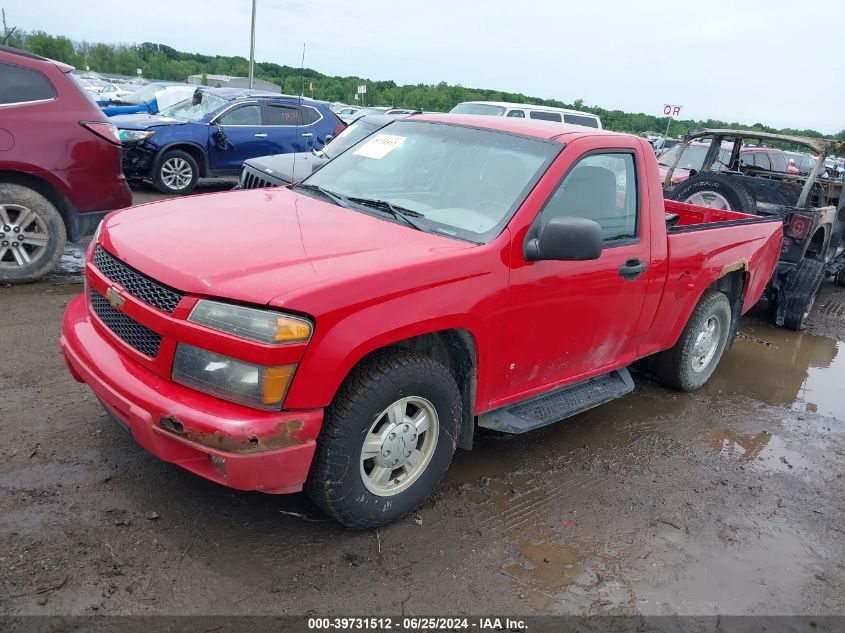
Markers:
point(716, 191)
point(800, 292)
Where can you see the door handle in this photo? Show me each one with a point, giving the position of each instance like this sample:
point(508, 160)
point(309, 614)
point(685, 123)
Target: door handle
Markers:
point(308, 134)
point(632, 269)
point(262, 135)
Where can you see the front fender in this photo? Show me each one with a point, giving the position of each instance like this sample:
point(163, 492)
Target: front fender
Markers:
point(473, 301)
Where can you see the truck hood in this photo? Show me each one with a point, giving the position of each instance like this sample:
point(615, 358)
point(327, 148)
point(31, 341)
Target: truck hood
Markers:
point(288, 167)
point(678, 176)
point(143, 121)
point(265, 246)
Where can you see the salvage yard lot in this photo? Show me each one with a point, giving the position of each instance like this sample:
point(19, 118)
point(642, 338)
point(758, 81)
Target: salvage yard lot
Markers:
point(726, 500)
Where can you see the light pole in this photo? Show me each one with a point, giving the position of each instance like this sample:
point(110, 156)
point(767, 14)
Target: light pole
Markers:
point(252, 49)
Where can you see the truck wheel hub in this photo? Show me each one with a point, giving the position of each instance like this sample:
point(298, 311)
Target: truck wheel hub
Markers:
point(706, 344)
point(399, 446)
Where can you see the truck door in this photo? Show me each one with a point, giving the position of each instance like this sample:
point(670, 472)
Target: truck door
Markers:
point(568, 318)
point(242, 128)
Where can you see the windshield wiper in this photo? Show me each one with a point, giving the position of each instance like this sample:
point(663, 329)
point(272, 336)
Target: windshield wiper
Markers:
point(400, 213)
point(338, 200)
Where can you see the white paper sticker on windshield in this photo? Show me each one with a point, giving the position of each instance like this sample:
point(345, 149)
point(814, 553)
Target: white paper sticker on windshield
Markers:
point(380, 146)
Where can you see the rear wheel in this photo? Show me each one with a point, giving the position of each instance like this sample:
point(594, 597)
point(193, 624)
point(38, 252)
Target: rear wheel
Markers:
point(839, 280)
point(177, 173)
point(689, 364)
point(32, 234)
point(388, 438)
point(716, 191)
point(800, 292)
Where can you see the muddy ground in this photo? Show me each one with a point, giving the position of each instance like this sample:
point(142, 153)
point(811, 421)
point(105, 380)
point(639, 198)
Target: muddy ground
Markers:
point(728, 500)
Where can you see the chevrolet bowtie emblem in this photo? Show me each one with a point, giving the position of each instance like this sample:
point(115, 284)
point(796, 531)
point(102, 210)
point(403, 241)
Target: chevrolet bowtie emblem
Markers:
point(115, 298)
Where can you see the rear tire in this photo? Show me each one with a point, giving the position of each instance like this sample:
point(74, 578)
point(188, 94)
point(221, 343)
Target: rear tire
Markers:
point(363, 435)
point(176, 173)
point(839, 280)
point(800, 292)
point(690, 363)
point(32, 234)
point(717, 191)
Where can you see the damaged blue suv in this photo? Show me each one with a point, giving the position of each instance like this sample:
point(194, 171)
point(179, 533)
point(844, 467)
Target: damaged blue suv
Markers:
point(215, 131)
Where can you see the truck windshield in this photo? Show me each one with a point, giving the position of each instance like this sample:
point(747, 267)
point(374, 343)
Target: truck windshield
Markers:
point(195, 108)
point(348, 137)
point(693, 156)
point(144, 95)
point(454, 180)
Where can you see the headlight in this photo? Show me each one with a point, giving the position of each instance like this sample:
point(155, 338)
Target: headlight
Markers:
point(264, 326)
point(251, 385)
point(134, 136)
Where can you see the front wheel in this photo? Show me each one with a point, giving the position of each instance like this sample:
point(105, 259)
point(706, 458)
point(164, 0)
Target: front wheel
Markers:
point(177, 173)
point(388, 438)
point(690, 363)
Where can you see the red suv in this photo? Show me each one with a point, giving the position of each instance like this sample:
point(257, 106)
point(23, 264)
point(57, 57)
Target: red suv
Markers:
point(59, 164)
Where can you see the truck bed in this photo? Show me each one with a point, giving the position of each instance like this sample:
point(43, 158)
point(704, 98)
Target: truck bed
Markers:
point(696, 218)
point(706, 244)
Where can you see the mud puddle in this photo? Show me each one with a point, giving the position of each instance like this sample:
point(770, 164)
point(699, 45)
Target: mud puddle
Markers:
point(780, 367)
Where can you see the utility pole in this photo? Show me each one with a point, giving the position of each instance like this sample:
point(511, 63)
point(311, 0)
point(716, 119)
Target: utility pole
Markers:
point(6, 32)
point(252, 49)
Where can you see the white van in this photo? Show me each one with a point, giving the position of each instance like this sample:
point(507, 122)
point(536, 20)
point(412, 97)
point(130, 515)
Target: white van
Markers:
point(528, 111)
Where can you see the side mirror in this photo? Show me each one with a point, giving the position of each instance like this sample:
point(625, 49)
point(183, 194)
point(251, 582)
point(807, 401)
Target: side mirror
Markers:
point(565, 239)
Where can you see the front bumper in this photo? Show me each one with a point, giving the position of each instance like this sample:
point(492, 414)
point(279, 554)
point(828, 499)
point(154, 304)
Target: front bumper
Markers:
point(136, 161)
point(227, 443)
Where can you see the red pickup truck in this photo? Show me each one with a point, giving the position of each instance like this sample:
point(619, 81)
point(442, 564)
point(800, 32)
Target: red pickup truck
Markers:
point(347, 333)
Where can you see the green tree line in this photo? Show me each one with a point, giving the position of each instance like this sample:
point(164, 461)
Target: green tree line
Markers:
point(164, 62)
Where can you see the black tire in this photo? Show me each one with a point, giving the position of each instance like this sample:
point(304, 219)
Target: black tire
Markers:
point(800, 292)
point(163, 177)
point(44, 222)
point(839, 280)
point(737, 195)
point(676, 366)
point(336, 482)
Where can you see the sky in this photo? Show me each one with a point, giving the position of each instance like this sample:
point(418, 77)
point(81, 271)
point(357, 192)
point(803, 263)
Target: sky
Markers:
point(744, 61)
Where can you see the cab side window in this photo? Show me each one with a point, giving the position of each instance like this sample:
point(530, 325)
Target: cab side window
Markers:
point(542, 115)
point(245, 115)
point(762, 160)
point(21, 85)
point(275, 114)
point(516, 114)
point(602, 188)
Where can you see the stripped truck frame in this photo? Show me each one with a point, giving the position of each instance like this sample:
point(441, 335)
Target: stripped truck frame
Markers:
point(811, 207)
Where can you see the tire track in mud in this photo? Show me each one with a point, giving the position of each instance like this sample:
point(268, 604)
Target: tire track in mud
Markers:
point(529, 507)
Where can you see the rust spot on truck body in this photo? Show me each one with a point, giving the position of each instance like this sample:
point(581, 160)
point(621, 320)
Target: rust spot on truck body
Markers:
point(284, 434)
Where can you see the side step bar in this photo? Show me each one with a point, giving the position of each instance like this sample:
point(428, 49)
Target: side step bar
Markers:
point(559, 404)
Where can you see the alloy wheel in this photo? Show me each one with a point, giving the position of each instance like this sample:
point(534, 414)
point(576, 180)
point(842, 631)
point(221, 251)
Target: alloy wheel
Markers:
point(23, 236)
point(399, 445)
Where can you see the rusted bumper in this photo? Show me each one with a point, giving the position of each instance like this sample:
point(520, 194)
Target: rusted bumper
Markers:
point(227, 443)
